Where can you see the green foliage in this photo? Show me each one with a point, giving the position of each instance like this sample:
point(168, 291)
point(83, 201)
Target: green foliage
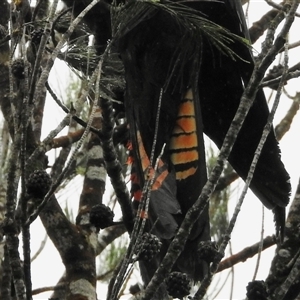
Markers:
point(219, 213)
point(111, 257)
point(218, 208)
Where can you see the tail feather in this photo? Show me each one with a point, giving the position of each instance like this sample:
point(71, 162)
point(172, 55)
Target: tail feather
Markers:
point(164, 205)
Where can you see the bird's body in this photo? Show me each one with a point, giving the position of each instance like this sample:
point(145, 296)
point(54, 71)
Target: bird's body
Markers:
point(193, 90)
point(147, 70)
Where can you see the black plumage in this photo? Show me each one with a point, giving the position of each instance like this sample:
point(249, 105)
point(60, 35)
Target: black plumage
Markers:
point(160, 68)
point(147, 52)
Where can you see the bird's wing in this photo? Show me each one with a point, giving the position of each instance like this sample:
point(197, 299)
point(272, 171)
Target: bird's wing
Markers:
point(222, 82)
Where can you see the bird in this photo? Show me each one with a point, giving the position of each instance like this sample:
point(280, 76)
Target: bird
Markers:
point(180, 86)
point(146, 55)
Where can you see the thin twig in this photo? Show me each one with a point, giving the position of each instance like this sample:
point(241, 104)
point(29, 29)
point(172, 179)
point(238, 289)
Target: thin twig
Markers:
point(66, 110)
point(45, 145)
point(40, 249)
point(286, 122)
point(261, 244)
point(278, 6)
point(33, 87)
point(45, 73)
point(289, 76)
point(68, 165)
point(246, 253)
point(25, 120)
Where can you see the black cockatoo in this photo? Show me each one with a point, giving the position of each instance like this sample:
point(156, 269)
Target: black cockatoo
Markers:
point(180, 83)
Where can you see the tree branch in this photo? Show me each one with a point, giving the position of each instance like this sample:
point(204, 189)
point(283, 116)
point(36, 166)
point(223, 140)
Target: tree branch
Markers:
point(246, 253)
point(285, 262)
